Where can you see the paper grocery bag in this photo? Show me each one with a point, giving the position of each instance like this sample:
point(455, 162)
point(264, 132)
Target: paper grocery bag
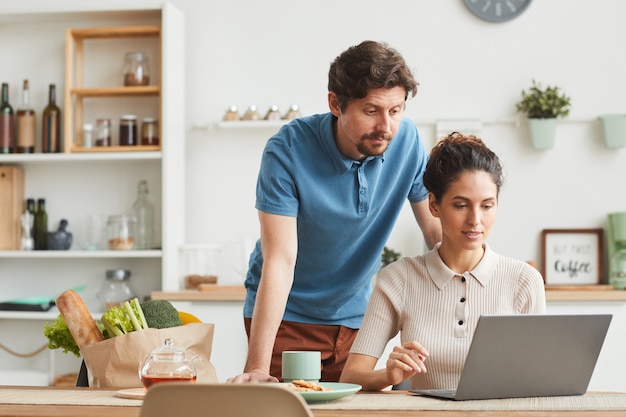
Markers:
point(114, 363)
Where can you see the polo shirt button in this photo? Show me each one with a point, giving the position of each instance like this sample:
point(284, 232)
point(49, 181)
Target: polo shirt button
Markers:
point(462, 279)
point(462, 299)
point(460, 322)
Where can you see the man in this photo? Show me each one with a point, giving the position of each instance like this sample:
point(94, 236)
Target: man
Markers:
point(329, 191)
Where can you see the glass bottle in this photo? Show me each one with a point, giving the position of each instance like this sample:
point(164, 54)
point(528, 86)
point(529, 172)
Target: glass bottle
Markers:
point(40, 230)
point(51, 138)
point(28, 219)
point(87, 135)
point(144, 212)
point(25, 124)
point(6, 122)
point(116, 289)
point(103, 132)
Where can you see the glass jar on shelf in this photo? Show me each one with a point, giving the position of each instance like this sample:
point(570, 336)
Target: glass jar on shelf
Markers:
point(121, 232)
point(116, 289)
point(136, 69)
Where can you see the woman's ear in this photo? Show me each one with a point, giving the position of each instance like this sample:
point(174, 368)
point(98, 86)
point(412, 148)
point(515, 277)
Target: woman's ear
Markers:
point(432, 205)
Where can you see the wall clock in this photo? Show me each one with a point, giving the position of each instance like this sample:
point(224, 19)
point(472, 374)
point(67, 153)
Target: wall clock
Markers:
point(497, 11)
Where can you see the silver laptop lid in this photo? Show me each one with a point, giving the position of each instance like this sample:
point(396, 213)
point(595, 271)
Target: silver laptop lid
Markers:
point(531, 355)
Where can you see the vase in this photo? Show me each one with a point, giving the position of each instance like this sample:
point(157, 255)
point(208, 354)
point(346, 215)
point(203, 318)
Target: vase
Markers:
point(542, 132)
point(614, 130)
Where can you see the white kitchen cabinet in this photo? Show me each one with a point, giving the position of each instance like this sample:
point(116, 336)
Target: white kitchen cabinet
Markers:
point(76, 184)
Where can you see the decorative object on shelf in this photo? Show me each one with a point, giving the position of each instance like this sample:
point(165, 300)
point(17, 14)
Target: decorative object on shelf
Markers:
point(616, 250)
point(251, 114)
point(543, 106)
point(614, 130)
point(7, 122)
point(121, 232)
point(136, 69)
point(272, 113)
point(497, 11)
point(199, 264)
point(149, 131)
point(128, 130)
point(144, 213)
point(51, 124)
point(87, 141)
point(103, 132)
point(572, 256)
point(61, 239)
point(11, 206)
point(40, 232)
point(25, 124)
point(28, 221)
point(116, 288)
point(292, 113)
point(231, 114)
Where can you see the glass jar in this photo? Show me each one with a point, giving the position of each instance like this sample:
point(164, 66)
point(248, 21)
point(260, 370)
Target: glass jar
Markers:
point(136, 69)
point(87, 135)
point(149, 131)
point(116, 289)
point(121, 232)
point(128, 130)
point(199, 264)
point(103, 132)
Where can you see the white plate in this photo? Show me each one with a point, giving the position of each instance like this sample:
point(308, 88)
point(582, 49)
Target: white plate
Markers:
point(132, 393)
point(336, 390)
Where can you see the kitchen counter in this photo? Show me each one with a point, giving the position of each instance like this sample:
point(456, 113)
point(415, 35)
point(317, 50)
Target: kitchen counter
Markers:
point(238, 293)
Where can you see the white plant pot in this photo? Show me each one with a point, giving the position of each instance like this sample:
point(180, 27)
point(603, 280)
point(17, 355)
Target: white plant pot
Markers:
point(542, 132)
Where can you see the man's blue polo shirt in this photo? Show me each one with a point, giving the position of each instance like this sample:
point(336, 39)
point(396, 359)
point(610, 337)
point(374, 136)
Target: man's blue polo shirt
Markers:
point(345, 212)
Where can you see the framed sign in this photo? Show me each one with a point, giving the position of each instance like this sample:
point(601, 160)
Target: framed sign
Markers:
point(572, 256)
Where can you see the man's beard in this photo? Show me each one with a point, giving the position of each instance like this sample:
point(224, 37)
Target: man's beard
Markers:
point(366, 147)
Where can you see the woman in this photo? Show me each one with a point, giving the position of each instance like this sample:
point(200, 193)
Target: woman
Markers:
point(435, 300)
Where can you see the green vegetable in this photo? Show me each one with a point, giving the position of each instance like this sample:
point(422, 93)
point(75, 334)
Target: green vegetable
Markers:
point(59, 336)
point(116, 321)
point(160, 314)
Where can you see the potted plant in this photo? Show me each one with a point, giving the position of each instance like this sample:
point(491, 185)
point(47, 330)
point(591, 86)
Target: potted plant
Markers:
point(543, 106)
point(388, 256)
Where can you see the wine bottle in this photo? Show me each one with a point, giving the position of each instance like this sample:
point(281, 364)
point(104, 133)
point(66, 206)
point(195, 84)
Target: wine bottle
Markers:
point(25, 124)
point(144, 213)
point(51, 141)
point(40, 231)
point(6, 122)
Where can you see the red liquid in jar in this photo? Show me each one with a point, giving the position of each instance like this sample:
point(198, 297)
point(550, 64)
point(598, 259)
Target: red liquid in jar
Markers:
point(150, 380)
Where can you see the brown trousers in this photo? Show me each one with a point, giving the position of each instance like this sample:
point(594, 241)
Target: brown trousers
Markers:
point(332, 341)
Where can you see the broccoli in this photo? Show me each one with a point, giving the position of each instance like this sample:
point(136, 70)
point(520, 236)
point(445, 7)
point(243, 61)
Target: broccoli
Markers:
point(59, 336)
point(160, 314)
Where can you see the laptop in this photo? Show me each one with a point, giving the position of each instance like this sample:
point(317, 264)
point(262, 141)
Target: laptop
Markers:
point(529, 355)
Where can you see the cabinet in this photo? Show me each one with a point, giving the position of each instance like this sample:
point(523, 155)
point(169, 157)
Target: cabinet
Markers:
point(76, 183)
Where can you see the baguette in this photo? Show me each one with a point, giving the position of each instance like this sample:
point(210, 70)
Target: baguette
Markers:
point(79, 321)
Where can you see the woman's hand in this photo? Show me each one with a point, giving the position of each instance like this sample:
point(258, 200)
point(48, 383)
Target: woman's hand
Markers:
point(405, 361)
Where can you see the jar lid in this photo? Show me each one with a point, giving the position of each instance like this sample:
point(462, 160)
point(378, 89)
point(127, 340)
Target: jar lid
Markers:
point(118, 274)
point(88, 127)
point(149, 120)
point(139, 55)
point(169, 352)
point(128, 117)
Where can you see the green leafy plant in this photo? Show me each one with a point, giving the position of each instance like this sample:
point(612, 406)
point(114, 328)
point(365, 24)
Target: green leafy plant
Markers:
point(546, 103)
point(388, 256)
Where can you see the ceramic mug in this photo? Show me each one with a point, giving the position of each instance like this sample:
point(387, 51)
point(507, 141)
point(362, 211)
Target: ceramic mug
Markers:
point(300, 364)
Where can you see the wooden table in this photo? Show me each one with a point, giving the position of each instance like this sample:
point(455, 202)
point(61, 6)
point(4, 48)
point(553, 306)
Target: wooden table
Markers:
point(98, 410)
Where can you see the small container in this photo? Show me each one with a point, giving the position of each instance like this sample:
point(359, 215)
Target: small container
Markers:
point(149, 131)
point(128, 130)
point(136, 69)
point(251, 114)
point(272, 113)
point(292, 113)
point(103, 132)
point(231, 115)
point(87, 135)
point(116, 289)
point(199, 264)
point(121, 232)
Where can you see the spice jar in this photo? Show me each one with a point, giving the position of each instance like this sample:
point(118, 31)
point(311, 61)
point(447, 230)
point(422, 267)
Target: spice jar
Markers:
point(116, 289)
point(128, 130)
point(136, 70)
point(199, 264)
point(121, 231)
point(103, 132)
point(149, 131)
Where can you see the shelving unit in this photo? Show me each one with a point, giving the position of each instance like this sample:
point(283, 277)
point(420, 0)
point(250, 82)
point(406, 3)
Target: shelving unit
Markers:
point(78, 182)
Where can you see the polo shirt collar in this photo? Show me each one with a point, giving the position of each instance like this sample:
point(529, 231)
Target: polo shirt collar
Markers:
point(440, 274)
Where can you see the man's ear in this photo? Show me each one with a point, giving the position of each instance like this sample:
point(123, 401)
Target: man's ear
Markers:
point(333, 104)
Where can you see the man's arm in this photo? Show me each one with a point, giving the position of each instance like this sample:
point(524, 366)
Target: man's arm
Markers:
point(430, 225)
point(280, 246)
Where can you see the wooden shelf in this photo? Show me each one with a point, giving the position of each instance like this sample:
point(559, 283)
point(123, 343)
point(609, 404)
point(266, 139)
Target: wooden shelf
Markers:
point(585, 295)
point(145, 90)
point(136, 148)
point(115, 32)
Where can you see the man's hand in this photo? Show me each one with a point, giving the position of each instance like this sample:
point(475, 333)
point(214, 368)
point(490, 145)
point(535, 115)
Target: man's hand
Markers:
point(252, 377)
